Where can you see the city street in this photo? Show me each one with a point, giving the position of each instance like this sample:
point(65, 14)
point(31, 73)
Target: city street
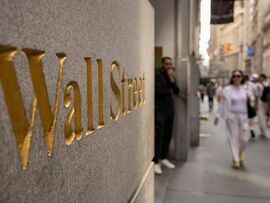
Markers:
point(207, 177)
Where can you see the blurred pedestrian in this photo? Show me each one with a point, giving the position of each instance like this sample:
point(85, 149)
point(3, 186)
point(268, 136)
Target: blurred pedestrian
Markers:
point(219, 90)
point(262, 89)
point(165, 88)
point(202, 90)
point(210, 91)
point(233, 108)
point(251, 87)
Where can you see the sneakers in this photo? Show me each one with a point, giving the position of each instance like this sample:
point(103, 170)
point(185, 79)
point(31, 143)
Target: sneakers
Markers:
point(163, 162)
point(167, 164)
point(157, 169)
point(236, 165)
point(239, 164)
point(241, 157)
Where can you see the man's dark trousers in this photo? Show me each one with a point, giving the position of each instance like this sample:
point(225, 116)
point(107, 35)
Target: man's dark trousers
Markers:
point(163, 133)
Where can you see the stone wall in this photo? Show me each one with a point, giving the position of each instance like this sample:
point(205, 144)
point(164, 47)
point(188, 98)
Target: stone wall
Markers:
point(111, 163)
point(165, 23)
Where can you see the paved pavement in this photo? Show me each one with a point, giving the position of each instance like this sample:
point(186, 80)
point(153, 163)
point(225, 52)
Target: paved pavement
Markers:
point(208, 178)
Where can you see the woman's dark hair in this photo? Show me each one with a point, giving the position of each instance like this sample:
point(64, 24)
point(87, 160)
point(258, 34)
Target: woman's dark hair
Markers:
point(241, 73)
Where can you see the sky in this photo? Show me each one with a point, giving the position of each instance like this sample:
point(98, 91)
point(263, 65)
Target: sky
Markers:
point(205, 30)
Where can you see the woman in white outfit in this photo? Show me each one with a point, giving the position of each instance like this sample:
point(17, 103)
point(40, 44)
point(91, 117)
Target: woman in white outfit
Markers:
point(233, 108)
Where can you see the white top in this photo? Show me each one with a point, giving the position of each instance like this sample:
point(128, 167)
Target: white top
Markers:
point(234, 100)
point(238, 100)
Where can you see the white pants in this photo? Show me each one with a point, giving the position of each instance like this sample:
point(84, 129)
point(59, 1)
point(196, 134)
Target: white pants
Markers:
point(238, 133)
point(262, 117)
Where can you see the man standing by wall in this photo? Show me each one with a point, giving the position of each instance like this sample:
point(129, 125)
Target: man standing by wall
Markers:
point(165, 87)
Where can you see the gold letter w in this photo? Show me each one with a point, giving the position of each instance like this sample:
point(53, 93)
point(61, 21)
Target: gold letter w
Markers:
point(22, 128)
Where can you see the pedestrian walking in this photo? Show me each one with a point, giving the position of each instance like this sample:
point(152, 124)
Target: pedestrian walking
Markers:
point(233, 108)
point(262, 88)
point(251, 110)
point(202, 90)
point(165, 88)
point(210, 91)
point(219, 90)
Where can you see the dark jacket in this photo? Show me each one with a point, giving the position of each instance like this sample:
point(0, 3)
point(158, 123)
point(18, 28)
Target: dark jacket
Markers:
point(164, 90)
point(210, 91)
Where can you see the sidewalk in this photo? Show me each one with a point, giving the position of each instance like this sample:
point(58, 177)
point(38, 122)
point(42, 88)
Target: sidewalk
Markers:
point(208, 178)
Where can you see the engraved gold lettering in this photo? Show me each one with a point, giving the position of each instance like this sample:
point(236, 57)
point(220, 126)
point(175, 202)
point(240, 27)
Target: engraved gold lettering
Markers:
point(130, 87)
point(48, 118)
point(75, 112)
point(22, 126)
point(143, 90)
point(23, 129)
point(140, 90)
point(14, 101)
point(123, 82)
point(115, 90)
point(100, 95)
point(135, 93)
point(90, 126)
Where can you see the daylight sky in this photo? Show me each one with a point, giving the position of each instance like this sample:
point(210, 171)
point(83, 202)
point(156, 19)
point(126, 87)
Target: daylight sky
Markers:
point(205, 30)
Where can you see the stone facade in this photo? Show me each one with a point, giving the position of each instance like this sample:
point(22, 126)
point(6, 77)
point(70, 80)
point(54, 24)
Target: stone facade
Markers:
point(113, 162)
point(265, 27)
point(252, 33)
point(227, 44)
point(266, 43)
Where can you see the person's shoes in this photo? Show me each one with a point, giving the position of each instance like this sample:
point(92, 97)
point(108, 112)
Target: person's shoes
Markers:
point(241, 158)
point(252, 134)
point(157, 169)
point(235, 165)
point(167, 164)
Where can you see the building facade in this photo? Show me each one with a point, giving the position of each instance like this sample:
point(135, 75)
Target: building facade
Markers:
point(243, 44)
point(226, 46)
point(266, 39)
